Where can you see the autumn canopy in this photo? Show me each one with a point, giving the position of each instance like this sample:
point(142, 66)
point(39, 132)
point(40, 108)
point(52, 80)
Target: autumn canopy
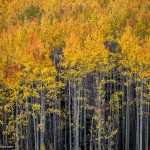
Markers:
point(75, 74)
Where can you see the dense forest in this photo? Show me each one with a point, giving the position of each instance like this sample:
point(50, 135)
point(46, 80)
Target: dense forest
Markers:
point(75, 74)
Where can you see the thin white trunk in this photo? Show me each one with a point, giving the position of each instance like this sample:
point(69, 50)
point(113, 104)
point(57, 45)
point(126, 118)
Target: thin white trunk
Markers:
point(17, 128)
point(127, 139)
point(141, 116)
point(70, 131)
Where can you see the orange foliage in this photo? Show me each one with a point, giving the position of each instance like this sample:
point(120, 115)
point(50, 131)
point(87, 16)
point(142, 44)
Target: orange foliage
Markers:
point(11, 70)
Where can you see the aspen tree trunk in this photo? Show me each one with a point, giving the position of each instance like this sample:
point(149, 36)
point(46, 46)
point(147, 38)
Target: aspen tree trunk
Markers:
point(91, 136)
point(35, 133)
point(65, 138)
point(147, 120)
point(5, 136)
point(111, 115)
point(35, 124)
point(141, 116)
point(147, 130)
point(42, 119)
point(99, 107)
point(137, 119)
point(85, 137)
point(6, 139)
point(54, 115)
point(85, 100)
point(110, 131)
point(127, 138)
point(70, 131)
point(59, 131)
point(59, 119)
point(116, 112)
point(21, 129)
point(103, 112)
point(123, 113)
point(74, 114)
point(50, 130)
point(54, 128)
point(27, 127)
point(80, 116)
point(77, 120)
point(37, 121)
point(17, 128)
point(65, 146)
